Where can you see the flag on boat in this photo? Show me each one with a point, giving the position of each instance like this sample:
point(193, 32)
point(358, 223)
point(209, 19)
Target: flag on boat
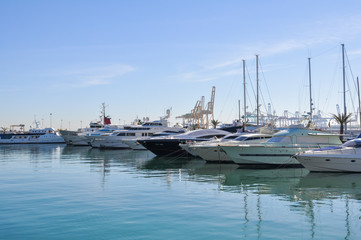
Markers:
point(107, 120)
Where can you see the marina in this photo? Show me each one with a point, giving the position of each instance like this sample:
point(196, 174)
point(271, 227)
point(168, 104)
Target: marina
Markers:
point(60, 192)
point(208, 120)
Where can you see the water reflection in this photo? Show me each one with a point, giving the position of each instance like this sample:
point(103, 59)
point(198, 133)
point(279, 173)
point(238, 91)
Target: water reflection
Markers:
point(266, 197)
point(314, 196)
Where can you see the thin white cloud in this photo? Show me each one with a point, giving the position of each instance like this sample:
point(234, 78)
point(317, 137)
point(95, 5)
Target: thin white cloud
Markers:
point(210, 72)
point(104, 75)
point(356, 52)
point(327, 31)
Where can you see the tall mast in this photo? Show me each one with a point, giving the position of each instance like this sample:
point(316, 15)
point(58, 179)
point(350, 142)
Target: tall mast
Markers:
point(244, 95)
point(103, 113)
point(309, 78)
point(257, 92)
point(239, 110)
point(359, 102)
point(344, 84)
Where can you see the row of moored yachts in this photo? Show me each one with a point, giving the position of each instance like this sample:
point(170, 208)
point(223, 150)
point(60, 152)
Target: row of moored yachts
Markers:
point(296, 146)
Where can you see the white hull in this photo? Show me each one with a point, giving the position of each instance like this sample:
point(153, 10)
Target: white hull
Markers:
point(74, 138)
point(188, 147)
point(32, 141)
point(340, 160)
point(260, 154)
point(108, 142)
point(80, 141)
point(133, 144)
point(212, 154)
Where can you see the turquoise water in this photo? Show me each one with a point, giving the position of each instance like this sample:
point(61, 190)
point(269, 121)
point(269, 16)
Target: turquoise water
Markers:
point(62, 192)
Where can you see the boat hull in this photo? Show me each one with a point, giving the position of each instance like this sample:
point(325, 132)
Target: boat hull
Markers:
point(133, 144)
point(169, 148)
point(330, 162)
point(253, 155)
point(213, 154)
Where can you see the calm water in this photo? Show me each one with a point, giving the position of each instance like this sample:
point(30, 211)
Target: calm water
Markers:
point(62, 192)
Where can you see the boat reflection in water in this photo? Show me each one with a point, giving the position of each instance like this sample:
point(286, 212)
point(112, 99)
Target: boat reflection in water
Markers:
point(248, 203)
point(282, 197)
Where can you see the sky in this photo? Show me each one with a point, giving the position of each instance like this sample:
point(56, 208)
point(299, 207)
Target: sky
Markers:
point(60, 60)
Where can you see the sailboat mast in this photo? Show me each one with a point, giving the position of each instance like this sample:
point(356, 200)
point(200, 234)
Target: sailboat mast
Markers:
point(257, 91)
point(309, 78)
point(103, 113)
point(239, 110)
point(344, 82)
point(359, 102)
point(244, 95)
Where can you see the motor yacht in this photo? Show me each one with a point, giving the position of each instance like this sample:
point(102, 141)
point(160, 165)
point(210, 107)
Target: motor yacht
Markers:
point(34, 135)
point(344, 158)
point(281, 147)
point(116, 139)
point(211, 151)
point(169, 146)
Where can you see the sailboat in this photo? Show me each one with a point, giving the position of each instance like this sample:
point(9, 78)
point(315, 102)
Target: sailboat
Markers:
point(344, 158)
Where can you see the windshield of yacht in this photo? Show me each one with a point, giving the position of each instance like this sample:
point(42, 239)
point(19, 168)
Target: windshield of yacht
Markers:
point(356, 143)
point(229, 137)
point(282, 139)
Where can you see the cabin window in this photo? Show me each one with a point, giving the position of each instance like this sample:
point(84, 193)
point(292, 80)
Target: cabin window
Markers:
point(121, 134)
point(130, 134)
point(276, 139)
point(231, 137)
point(241, 138)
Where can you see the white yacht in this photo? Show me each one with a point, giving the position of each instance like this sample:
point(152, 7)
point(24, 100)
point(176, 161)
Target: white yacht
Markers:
point(211, 150)
point(34, 135)
point(345, 158)
point(281, 147)
point(132, 134)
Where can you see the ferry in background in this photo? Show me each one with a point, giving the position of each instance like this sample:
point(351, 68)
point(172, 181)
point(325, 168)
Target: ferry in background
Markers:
point(34, 135)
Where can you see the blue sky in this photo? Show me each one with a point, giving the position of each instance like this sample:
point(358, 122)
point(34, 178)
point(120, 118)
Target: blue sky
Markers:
point(142, 57)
